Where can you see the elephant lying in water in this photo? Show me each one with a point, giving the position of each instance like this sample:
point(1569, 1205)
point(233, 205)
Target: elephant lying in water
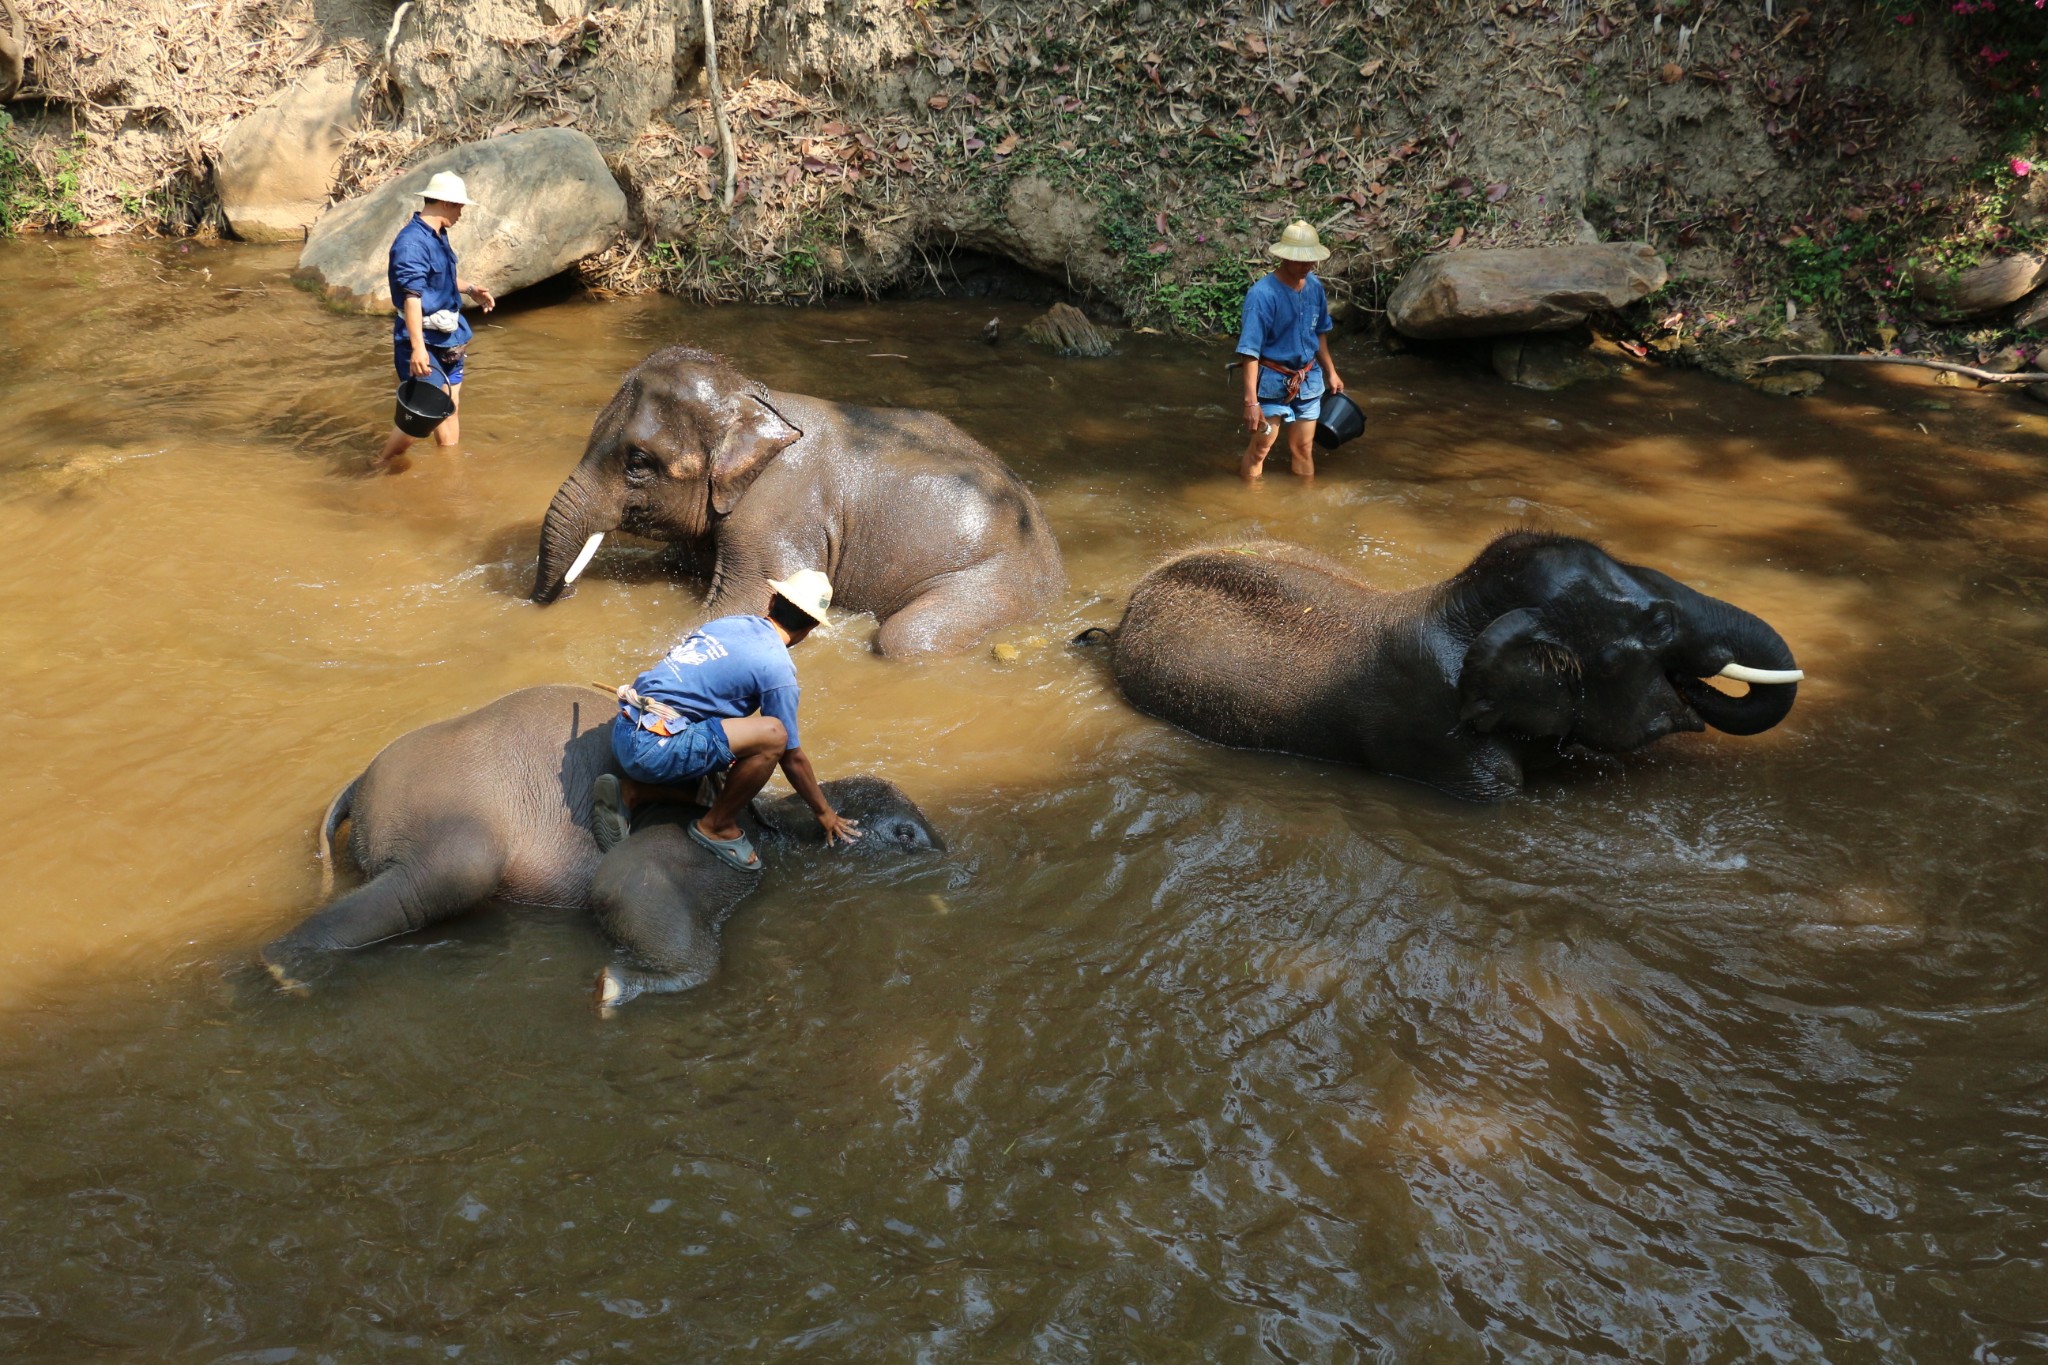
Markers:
point(496, 805)
point(908, 515)
point(1541, 642)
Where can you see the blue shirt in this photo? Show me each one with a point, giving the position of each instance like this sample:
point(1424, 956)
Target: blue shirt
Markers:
point(423, 266)
point(727, 668)
point(1282, 324)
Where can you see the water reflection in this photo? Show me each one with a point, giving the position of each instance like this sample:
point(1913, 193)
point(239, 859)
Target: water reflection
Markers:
point(1735, 1048)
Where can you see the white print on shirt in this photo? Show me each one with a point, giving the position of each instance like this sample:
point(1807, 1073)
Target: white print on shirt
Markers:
point(697, 650)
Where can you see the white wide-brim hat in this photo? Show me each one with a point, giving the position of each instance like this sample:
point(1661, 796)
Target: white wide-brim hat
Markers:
point(810, 592)
point(1299, 242)
point(447, 187)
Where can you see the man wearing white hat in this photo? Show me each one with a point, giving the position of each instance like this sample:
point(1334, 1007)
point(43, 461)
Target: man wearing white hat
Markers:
point(1285, 342)
point(722, 701)
point(431, 335)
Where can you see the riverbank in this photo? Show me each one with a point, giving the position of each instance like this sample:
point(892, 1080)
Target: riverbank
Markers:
point(1136, 155)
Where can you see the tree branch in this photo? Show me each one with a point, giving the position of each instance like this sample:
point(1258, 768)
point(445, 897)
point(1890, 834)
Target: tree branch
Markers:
point(732, 160)
point(1986, 376)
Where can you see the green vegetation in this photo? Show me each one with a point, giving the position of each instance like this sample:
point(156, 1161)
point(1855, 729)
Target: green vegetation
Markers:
point(26, 199)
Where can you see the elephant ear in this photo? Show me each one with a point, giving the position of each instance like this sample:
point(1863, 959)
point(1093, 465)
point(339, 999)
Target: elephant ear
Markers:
point(1520, 678)
point(757, 435)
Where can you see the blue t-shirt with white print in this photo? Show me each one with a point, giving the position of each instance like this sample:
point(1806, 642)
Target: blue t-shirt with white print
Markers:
point(727, 668)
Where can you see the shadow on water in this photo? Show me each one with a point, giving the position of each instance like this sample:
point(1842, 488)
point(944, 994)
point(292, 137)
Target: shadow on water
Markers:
point(1730, 1049)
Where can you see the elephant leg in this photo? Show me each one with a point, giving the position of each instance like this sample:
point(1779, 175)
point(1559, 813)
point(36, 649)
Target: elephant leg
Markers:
point(654, 896)
point(454, 867)
point(951, 615)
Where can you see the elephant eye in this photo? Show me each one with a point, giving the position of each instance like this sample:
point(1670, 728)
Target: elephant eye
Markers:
point(906, 834)
point(639, 463)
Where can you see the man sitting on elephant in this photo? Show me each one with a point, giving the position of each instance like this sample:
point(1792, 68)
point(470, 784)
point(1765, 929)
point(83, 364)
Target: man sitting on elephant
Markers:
point(693, 715)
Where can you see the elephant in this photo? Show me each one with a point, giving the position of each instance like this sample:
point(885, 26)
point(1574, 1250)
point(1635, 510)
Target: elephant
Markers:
point(13, 49)
point(909, 516)
point(1541, 643)
point(662, 897)
point(496, 805)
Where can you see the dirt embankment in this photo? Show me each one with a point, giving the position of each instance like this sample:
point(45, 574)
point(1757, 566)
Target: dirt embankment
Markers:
point(1137, 152)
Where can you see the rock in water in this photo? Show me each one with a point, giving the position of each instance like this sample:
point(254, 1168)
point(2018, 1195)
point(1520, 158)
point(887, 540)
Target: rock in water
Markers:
point(276, 164)
point(1521, 289)
point(1544, 363)
point(13, 49)
point(1952, 295)
point(1067, 330)
point(1790, 383)
point(544, 202)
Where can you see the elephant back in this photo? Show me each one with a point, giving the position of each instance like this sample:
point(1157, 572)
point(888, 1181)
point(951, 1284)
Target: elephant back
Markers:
point(1249, 645)
point(519, 767)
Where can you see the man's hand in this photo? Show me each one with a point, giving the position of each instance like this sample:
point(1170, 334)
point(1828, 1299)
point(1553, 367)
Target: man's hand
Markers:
point(422, 365)
point(1336, 384)
point(1254, 420)
point(838, 828)
point(482, 296)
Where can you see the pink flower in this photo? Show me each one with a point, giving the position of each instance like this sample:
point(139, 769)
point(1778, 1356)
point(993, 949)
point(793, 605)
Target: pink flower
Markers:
point(1907, 18)
point(1991, 57)
point(2022, 166)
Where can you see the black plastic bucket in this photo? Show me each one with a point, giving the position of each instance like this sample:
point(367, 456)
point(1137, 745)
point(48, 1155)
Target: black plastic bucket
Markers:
point(422, 405)
point(1342, 420)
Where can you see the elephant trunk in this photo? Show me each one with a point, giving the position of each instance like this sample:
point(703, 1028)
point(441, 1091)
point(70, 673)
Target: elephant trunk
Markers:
point(1726, 641)
point(578, 518)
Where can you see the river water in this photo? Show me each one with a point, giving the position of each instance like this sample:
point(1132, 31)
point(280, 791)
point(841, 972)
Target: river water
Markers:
point(1734, 1048)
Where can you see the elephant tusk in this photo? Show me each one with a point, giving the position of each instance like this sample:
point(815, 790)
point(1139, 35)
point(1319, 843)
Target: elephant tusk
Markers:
point(590, 549)
point(1744, 673)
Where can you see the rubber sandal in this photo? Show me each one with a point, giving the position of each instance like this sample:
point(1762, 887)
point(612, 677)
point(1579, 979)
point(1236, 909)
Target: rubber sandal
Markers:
point(736, 852)
point(609, 822)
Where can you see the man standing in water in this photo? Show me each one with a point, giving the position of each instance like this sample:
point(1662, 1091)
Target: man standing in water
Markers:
point(1285, 340)
point(693, 715)
point(431, 335)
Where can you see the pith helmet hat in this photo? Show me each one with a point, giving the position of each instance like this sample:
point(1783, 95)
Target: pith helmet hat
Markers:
point(447, 187)
point(1299, 242)
point(810, 592)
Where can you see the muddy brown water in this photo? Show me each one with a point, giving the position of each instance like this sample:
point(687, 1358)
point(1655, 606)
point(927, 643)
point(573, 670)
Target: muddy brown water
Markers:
point(1736, 1048)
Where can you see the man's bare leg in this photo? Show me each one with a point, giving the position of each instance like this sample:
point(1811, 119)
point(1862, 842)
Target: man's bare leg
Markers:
point(757, 745)
point(395, 446)
point(1254, 462)
point(1301, 448)
point(450, 431)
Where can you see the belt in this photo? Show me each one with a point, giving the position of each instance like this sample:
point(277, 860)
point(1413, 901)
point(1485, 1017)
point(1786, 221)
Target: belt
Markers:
point(1294, 376)
point(655, 717)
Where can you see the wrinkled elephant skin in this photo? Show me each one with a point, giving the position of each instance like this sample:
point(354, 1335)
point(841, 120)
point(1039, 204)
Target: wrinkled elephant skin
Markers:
point(1542, 643)
point(910, 517)
point(496, 805)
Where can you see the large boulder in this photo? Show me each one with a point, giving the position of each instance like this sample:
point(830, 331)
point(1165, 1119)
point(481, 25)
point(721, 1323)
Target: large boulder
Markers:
point(1522, 289)
point(13, 49)
point(1952, 295)
point(544, 201)
point(276, 164)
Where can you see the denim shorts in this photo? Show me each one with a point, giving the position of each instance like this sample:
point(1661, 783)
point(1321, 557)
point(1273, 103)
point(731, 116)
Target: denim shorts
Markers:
point(1307, 405)
point(451, 359)
point(667, 761)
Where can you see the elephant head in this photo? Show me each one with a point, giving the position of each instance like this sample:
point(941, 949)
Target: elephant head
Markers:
point(1574, 646)
point(675, 448)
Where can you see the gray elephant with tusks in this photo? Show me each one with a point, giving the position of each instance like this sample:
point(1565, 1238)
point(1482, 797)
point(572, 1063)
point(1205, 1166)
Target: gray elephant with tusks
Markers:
point(1541, 643)
point(908, 515)
point(495, 805)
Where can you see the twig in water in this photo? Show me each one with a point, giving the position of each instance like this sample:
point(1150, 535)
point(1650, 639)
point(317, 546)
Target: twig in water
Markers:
point(1986, 376)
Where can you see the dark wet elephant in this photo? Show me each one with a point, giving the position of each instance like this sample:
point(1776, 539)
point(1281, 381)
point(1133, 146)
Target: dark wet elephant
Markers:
point(1541, 643)
point(663, 897)
point(495, 805)
point(907, 514)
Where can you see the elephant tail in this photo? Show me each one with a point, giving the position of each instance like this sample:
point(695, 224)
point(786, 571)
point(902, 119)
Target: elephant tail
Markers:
point(1094, 635)
point(337, 811)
